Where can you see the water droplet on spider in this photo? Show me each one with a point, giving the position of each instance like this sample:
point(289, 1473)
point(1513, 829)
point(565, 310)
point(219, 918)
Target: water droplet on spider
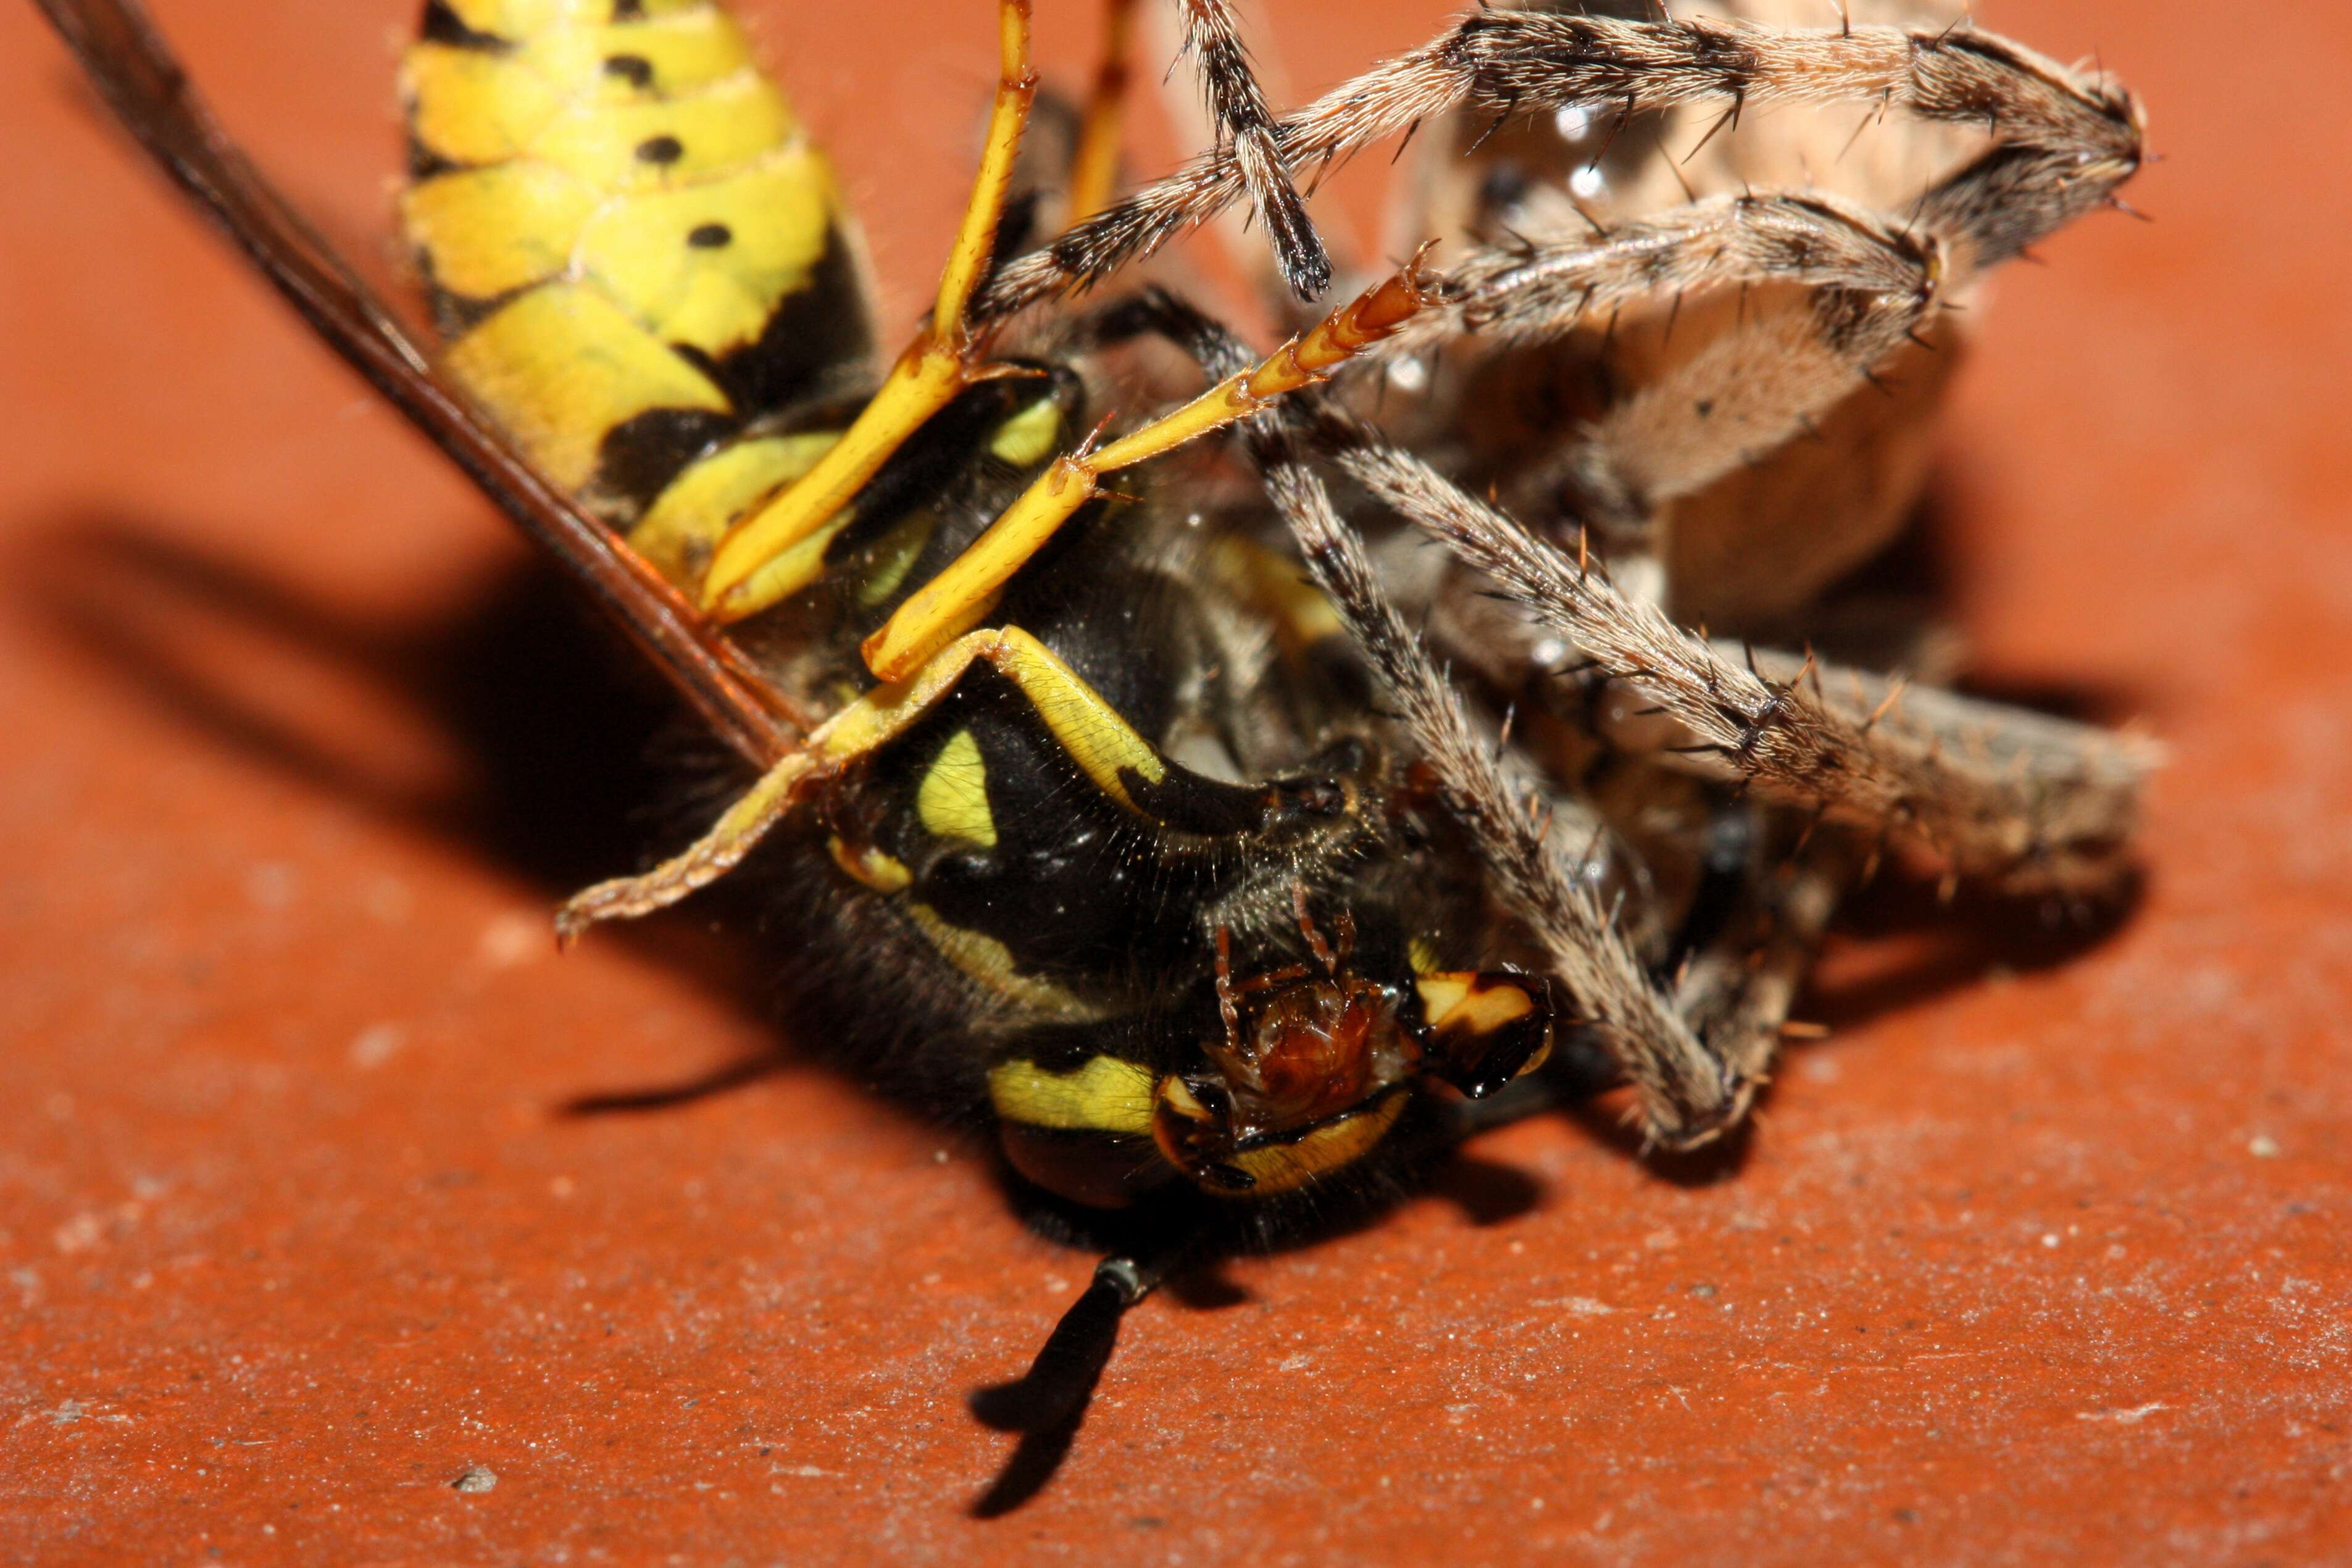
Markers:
point(1587, 182)
point(1574, 122)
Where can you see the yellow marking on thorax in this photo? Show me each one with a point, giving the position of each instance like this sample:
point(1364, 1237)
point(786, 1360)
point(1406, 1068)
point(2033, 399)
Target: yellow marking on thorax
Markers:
point(918, 386)
point(990, 962)
point(1021, 440)
point(1106, 1094)
point(895, 556)
point(1088, 729)
point(1029, 437)
point(804, 562)
point(953, 800)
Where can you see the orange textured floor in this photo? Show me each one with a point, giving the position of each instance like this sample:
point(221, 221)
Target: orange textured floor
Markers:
point(2032, 1261)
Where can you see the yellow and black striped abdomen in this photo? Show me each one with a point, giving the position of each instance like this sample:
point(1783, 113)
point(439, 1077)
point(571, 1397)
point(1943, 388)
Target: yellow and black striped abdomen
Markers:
point(635, 250)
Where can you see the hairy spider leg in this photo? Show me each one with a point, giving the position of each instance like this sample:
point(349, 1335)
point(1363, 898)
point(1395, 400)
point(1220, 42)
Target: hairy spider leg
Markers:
point(2063, 142)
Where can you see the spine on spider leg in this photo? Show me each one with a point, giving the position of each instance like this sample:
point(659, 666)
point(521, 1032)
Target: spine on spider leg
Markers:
point(639, 262)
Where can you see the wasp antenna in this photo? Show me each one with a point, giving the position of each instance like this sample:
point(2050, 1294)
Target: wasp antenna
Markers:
point(1046, 1404)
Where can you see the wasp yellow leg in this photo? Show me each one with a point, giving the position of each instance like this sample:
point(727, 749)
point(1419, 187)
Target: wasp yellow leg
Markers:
point(1088, 730)
point(944, 359)
point(965, 590)
point(1094, 170)
point(709, 858)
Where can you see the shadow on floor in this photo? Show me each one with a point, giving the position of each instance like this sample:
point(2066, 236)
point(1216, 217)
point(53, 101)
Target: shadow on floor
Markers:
point(577, 762)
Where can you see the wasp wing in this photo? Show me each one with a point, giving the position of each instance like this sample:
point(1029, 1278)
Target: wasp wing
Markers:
point(134, 71)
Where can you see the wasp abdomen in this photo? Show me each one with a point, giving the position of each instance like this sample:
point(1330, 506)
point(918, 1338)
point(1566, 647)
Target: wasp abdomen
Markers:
point(634, 247)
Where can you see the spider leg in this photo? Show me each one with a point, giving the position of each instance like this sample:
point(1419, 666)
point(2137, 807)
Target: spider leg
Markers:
point(1685, 1093)
point(2050, 805)
point(2026, 803)
point(1737, 988)
point(1245, 129)
point(1238, 109)
point(2063, 142)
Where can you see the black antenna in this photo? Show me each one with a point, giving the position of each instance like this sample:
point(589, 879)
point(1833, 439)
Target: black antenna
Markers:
point(1046, 1404)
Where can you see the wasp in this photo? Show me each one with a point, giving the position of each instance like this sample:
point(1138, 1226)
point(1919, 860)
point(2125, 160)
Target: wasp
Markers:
point(1123, 770)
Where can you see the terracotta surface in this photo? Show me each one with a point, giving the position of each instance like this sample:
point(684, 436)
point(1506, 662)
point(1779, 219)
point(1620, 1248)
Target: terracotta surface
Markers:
point(2043, 1257)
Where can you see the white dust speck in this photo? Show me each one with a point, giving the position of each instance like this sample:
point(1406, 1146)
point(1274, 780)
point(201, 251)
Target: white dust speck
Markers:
point(80, 1234)
point(2131, 1417)
point(514, 939)
point(272, 884)
point(376, 1044)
